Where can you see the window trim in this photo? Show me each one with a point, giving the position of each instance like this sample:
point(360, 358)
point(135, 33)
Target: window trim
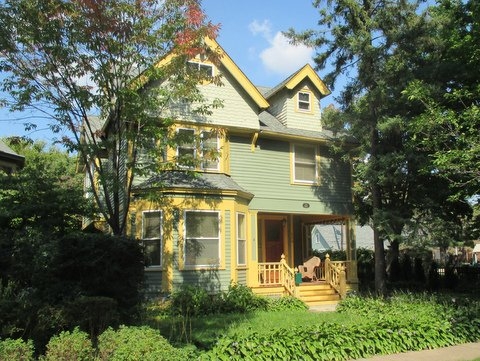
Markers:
point(219, 234)
point(202, 148)
point(309, 102)
point(192, 146)
point(202, 65)
point(238, 239)
point(294, 164)
point(159, 239)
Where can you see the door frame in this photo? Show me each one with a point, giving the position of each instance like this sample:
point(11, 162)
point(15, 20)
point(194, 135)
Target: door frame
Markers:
point(262, 234)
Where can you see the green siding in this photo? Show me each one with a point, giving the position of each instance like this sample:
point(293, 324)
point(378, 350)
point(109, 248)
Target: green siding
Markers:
point(153, 283)
point(265, 172)
point(242, 277)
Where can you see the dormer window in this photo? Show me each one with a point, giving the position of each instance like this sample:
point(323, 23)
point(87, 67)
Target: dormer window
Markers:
point(205, 69)
point(304, 101)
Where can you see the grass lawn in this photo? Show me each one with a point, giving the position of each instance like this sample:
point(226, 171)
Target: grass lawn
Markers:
point(366, 326)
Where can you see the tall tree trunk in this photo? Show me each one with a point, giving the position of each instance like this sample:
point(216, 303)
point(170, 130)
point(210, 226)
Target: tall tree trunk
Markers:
point(380, 269)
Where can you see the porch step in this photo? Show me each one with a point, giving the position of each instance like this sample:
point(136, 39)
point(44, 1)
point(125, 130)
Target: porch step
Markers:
point(317, 294)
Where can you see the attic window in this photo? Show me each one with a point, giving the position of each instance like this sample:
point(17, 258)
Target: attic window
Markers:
point(206, 69)
point(304, 101)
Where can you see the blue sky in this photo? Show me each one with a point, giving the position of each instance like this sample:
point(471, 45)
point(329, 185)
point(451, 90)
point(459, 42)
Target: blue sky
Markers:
point(250, 33)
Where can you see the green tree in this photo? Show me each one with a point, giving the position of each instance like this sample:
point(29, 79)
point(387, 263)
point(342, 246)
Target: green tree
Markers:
point(449, 123)
point(377, 46)
point(52, 276)
point(110, 58)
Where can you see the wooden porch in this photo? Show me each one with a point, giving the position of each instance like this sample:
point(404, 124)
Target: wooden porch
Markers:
point(334, 280)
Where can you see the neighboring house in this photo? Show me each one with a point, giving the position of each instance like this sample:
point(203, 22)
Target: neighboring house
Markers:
point(332, 237)
point(242, 217)
point(9, 160)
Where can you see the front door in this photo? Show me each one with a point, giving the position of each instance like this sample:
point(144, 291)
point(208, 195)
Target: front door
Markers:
point(273, 240)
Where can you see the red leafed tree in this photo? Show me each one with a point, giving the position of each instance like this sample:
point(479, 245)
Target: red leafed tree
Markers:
point(78, 63)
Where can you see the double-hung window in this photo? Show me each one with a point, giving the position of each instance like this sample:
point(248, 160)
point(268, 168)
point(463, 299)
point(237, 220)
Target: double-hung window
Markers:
point(209, 142)
point(241, 240)
point(202, 238)
point(305, 163)
point(304, 101)
point(198, 150)
point(152, 237)
point(186, 149)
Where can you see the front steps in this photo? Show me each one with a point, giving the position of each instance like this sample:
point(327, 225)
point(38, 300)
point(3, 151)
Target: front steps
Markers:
point(312, 293)
point(317, 294)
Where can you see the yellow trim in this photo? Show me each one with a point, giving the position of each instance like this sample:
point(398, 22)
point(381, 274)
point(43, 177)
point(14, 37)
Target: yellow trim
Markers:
point(307, 71)
point(227, 62)
point(242, 79)
point(254, 141)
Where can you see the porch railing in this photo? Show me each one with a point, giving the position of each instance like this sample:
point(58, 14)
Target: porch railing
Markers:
point(277, 274)
point(335, 275)
point(281, 275)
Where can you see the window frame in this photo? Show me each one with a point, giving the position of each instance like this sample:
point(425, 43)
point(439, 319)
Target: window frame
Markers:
point(191, 146)
point(239, 239)
point(295, 162)
point(201, 66)
point(307, 102)
point(186, 239)
point(203, 151)
point(157, 239)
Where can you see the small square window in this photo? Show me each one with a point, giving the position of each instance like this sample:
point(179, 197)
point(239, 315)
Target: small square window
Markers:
point(304, 101)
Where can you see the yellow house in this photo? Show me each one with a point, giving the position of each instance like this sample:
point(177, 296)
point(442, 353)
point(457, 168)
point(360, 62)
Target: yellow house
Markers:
point(262, 176)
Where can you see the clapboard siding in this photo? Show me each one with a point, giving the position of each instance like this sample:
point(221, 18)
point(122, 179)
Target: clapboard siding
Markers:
point(153, 283)
point(242, 277)
point(265, 172)
point(238, 109)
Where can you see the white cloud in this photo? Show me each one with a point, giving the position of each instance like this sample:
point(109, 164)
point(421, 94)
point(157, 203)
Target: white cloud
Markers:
point(264, 28)
point(283, 58)
point(280, 57)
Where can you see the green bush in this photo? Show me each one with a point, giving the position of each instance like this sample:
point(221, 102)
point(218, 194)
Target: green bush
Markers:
point(136, 343)
point(69, 346)
point(403, 322)
point(93, 314)
point(240, 299)
point(17, 350)
point(192, 301)
point(286, 303)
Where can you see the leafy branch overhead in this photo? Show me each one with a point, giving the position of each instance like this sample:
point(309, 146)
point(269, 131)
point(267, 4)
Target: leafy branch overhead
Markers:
point(70, 60)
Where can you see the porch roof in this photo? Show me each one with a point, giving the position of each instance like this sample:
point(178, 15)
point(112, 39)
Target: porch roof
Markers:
point(194, 181)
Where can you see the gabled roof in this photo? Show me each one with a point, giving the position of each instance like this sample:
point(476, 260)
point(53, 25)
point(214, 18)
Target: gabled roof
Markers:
point(230, 65)
point(9, 156)
point(270, 124)
point(239, 76)
point(296, 78)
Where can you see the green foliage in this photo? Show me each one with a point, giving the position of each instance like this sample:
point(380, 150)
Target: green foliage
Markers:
point(286, 303)
point(401, 323)
point(136, 343)
point(62, 42)
point(17, 350)
point(240, 299)
point(71, 346)
point(87, 280)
